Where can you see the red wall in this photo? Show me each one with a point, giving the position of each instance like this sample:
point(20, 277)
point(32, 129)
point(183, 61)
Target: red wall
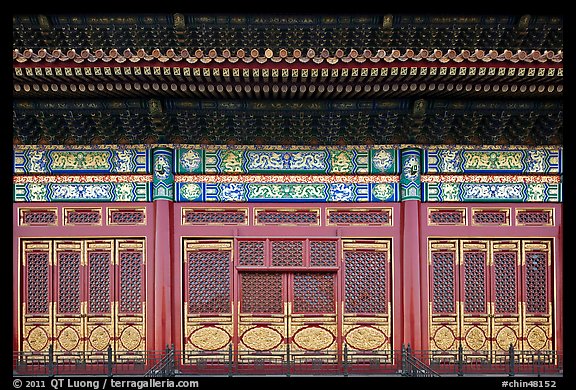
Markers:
point(409, 233)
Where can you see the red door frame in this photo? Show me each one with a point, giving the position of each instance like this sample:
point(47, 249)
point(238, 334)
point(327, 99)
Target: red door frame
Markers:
point(72, 232)
point(251, 230)
point(164, 234)
point(513, 231)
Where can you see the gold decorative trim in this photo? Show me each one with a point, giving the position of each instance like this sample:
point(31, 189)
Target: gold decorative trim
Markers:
point(23, 210)
point(66, 215)
point(184, 210)
point(390, 211)
point(258, 210)
point(550, 212)
point(110, 210)
point(476, 210)
point(461, 210)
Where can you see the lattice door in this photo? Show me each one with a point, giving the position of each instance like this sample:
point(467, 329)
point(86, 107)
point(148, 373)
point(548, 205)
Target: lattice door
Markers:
point(83, 295)
point(263, 316)
point(490, 294)
point(444, 296)
point(70, 302)
point(505, 307)
point(537, 295)
point(130, 290)
point(207, 295)
point(313, 325)
point(37, 259)
point(100, 297)
point(474, 294)
point(367, 325)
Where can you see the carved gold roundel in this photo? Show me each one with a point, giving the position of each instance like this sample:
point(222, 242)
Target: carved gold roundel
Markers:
point(313, 338)
point(261, 338)
point(209, 338)
point(537, 338)
point(365, 338)
point(130, 338)
point(475, 338)
point(505, 337)
point(444, 338)
point(68, 338)
point(99, 338)
point(38, 339)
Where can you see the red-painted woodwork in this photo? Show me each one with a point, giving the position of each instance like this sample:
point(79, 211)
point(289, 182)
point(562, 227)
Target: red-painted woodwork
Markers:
point(307, 255)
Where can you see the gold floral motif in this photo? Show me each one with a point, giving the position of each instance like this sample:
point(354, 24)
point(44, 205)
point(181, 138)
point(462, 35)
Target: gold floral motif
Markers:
point(365, 338)
point(444, 338)
point(209, 338)
point(70, 160)
point(68, 338)
point(475, 338)
point(313, 338)
point(261, 338)
point(130, 338)
point(505, 337)
point(497, 160)
point(537, 338)
point(38, 339)
point(99, 338)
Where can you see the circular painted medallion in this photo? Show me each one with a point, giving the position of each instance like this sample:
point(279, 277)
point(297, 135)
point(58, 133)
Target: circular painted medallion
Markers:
point(130, 338)
point(505, 337)
point(209, 338)
point(38, 339)
point(444, 338)
point(99, 338)
point(537, 338)
point(261, 338)
point(365, 338)
point(68, 338)
point(313, 338)
point(475, 338)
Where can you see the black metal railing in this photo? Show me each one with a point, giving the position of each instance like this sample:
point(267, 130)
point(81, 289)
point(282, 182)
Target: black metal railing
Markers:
point(166, 367)
point(348, 361)
point(412, 366)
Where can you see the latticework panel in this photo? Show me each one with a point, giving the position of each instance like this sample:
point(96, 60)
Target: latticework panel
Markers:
point(287, 217)
point(443, 289)
point(214, 217)
point(474, 282)
point(251, 252)
point(37, 282)
point(505, 283)
point(38, 217)
point(323, 253)
point(69, 282)
point(379, 217)
point(83, 217)
point(261, 292)
point(287, 253)
point(99, 289)
point(209, 282)
point(446, 217)
point(130, 282)
point(314, 292)
point(365, 282)
point(126, 217)
point(534, 217)
point(490, 218)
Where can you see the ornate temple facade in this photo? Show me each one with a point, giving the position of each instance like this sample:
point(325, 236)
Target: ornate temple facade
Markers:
point(264, 194)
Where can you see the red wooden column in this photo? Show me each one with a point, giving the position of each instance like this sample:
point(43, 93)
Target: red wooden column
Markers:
point(162, 195)
point(410, 192)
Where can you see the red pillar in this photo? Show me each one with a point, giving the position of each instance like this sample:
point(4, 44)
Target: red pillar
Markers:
point(162, 274)
point(411, 296)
